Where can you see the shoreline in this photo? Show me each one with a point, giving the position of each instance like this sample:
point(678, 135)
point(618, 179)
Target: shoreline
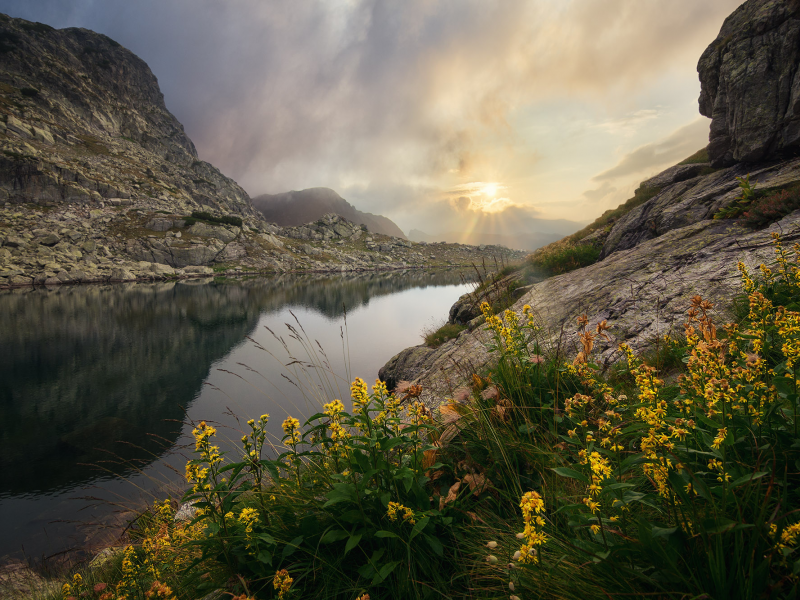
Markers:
point(226, 273)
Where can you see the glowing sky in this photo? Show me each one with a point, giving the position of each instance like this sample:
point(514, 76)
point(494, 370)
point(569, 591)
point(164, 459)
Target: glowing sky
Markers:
point(429, 112)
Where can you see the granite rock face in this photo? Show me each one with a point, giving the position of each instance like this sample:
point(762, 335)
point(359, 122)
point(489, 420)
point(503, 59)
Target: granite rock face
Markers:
point(693, 200)
point(642, 293)
point(750, 85)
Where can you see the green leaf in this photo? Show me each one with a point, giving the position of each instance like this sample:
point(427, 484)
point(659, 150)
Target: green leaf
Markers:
point(382, 533)
point(389, 443)
point(333, 535)
point(418, 527)
point(292, 546)
point(747, 478)
point(662, 531)
point(784, 385)
point(720, 525)
point(434, 543)
point(265, 557)
point(352, 542)
point(265, 537)
point(385, 571)
point(565, 472)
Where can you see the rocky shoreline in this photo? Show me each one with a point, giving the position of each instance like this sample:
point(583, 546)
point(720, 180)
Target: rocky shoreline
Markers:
point(54, 245)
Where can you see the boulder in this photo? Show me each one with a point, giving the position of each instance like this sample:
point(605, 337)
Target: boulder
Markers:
point(407, 365)
point(749, 83)
point(159, 224)
point(51, 239)
point(121, 274)
point(219, 232)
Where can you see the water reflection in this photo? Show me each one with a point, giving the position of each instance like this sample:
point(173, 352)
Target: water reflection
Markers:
point(91, 375)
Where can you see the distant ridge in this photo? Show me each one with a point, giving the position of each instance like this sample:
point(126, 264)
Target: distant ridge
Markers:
point(521, 241)
point(290, 209)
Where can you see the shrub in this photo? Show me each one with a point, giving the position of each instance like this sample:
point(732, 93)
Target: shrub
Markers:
point(209, 218)
point(346, 506)
point(562, 259)
point(446, 332)
point(771, 208)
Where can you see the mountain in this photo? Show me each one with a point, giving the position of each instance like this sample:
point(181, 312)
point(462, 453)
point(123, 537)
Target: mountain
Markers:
point(99, 182)
point(295, 208)
point(523, 241)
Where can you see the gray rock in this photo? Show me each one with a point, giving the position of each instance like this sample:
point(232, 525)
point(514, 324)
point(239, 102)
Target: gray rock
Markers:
point(406, 365)
point(89, 246)
point(186, 512)
point(213, 231)
point(14, 241)
point(198, 269)
point(159, 224)
point(233, 251)
point(16, 126)
point(51, 239)
point(749, 83)
point(120, 274)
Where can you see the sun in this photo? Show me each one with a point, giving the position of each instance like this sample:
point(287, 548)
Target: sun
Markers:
point(489, 190)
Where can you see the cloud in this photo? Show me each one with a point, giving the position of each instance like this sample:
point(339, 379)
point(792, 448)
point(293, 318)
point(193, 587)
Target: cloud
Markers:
point(366, 94)
point(599, 193)
point(672, 149)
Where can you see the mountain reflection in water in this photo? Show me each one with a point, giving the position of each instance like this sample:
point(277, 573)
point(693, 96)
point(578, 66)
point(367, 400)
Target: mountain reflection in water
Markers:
point(95, 381)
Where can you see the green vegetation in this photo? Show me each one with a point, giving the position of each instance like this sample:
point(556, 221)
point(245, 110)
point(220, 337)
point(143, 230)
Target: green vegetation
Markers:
point(565, 258)
point(36, 27)
point(701, 156)
point(446, 332)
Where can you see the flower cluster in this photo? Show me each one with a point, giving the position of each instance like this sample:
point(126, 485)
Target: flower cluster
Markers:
point(532, 507)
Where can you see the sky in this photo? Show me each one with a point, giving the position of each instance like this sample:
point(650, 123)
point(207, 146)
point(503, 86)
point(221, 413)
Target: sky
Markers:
point(439, 114)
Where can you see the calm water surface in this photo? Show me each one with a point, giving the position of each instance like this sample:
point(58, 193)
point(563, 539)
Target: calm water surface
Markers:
point(97, 383)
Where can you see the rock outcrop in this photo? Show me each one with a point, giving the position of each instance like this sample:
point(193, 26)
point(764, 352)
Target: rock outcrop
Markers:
point(750, 83)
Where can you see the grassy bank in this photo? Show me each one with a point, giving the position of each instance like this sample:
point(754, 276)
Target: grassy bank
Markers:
point(672, 475)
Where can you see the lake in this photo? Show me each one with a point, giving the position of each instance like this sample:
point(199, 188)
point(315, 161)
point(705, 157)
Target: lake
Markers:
point(98, 384)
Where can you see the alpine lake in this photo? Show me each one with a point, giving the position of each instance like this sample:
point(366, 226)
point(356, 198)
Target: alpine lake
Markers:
point(100, 384)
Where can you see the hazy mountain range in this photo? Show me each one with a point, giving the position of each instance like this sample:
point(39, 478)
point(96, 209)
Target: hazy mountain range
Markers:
point(521, 241)
point(290, 209)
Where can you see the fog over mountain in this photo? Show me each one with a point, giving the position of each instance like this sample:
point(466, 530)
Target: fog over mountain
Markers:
point(290, 209)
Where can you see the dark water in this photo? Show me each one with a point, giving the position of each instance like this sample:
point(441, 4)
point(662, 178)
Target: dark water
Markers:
point(97, 382)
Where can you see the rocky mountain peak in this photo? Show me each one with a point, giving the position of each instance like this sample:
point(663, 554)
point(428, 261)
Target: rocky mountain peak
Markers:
point(750, 85)
point(83, 120)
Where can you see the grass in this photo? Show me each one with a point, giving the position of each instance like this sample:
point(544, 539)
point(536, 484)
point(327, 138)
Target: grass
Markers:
point(699, 157)
point(446, 332)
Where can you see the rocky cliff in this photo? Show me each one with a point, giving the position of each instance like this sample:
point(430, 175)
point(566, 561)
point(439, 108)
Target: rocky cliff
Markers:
point(669, 243)
point(297, 208)
point(99, 182)
point(750, 83)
